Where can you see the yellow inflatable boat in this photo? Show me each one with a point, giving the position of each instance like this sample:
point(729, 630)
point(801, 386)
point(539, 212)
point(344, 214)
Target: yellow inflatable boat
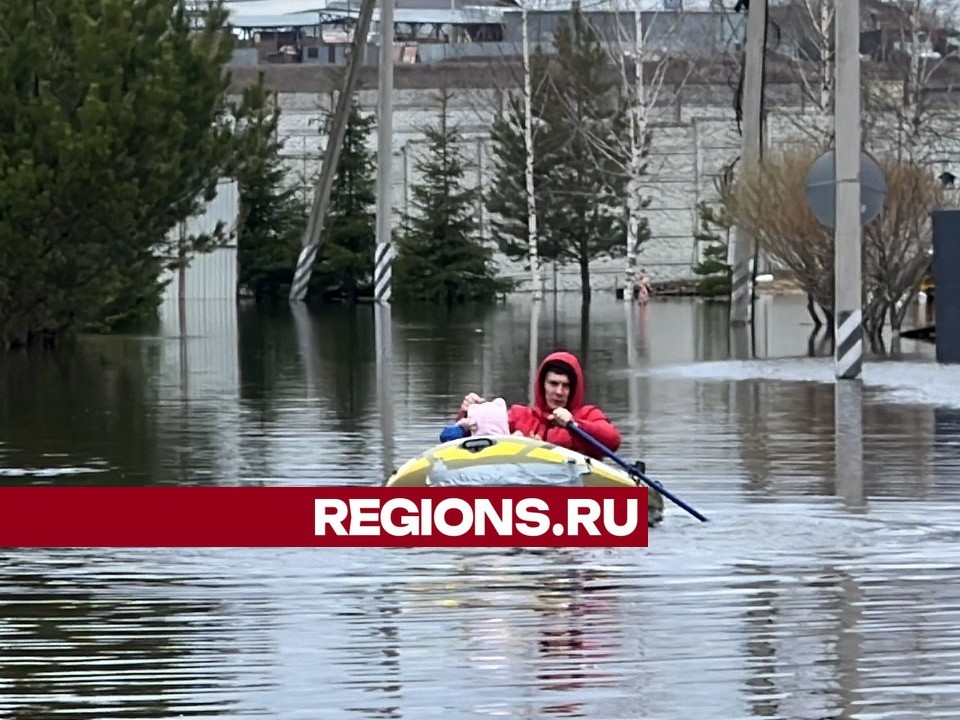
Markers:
point(512, 460)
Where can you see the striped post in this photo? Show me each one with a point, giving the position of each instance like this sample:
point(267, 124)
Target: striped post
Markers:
point(849, 344)
point(741, 280)
point(331, 157)
point(301, 277)
point(383, 272)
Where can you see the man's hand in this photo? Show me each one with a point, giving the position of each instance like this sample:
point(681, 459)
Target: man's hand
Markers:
point(562, 417)
point(470, 399)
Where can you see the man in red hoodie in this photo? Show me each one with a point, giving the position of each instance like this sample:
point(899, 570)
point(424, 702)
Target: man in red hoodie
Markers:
point(558, 400)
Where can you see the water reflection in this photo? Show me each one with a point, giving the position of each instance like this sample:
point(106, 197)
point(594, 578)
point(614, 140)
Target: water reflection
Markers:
point(384, 344)
point(848, 413)
point(713, 335)
point(946, 455)
point(59, 414)
point(91, 636)
point(807, 596)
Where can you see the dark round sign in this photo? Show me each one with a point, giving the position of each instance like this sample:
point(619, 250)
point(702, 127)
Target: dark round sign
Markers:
point(821, 190)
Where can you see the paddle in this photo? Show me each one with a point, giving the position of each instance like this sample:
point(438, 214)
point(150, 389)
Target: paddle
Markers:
point(586, 437)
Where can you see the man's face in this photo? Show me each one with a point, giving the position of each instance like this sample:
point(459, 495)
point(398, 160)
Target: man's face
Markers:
point(556, 388)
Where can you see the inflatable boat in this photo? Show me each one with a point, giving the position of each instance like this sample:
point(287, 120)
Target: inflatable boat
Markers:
point(512, 460)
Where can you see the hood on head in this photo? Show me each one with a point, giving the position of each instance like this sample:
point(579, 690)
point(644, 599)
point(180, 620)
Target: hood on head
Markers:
point(570, 360)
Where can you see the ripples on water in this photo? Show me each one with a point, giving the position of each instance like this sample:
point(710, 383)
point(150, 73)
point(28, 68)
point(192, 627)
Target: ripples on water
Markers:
point(807, 596)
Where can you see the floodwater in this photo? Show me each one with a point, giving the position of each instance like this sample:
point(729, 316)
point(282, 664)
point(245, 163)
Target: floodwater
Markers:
point(811, 594)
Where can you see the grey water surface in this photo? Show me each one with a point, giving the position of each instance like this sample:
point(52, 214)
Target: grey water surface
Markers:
point(810, 594)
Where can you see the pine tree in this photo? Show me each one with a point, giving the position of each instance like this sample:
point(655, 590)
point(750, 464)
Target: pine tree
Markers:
point(713, 269)
point(441, 259)
point(272, 218)
point(345, 261)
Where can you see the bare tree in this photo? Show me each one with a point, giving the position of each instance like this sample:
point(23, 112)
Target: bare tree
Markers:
point(511, 80)
point(809, 25)
point(916, 70)
point(772, 205)
point(644, 70)
point(898, 247)
point(641, 96)
point(530, 187)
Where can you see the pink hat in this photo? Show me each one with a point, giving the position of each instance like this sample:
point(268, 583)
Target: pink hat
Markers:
point(491, 417)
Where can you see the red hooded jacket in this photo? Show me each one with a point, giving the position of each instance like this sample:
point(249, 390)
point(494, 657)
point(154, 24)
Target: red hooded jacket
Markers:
point(532, 419)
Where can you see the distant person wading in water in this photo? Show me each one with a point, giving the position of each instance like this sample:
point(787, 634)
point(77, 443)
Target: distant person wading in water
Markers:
point(642, 289)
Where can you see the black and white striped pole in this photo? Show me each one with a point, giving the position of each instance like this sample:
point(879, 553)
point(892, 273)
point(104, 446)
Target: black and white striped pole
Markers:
point(331, 157)
point(845, 198)
point(383, 272)
point(383, 256)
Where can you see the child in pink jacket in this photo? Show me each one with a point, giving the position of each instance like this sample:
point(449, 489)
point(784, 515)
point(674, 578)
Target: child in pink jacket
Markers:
point(488, 418)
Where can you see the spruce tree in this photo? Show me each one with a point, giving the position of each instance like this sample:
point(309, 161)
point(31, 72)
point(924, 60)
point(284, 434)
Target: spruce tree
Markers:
point(441, 259)
point(578, 159)
point(713, 269)
point(272, 218)
point(344, 263)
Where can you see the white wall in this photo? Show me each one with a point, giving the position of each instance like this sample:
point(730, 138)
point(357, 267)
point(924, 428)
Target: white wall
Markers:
point(213, 275)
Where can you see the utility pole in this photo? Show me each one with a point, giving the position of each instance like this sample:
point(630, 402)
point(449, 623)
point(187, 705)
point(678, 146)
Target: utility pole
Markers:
point(331, 156)
point(848, 327)
point(742, 251)
point(383, 258)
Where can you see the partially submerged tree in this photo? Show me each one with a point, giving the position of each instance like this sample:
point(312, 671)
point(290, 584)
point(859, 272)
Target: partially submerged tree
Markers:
point(896, 246)
point(114, 126)
point(643, 66)
point(271, 215)
point(441, 257)
point(713, 268)
point(771, 205)
point(345, 259)
point(915, 51)
point(579, 195)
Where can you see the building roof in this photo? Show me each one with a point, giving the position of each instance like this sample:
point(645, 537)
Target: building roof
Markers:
point(300, 13)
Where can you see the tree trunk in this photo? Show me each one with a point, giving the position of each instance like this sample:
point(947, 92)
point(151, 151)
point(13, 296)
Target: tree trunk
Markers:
point(811, 308)
point(585, 333)
point(828, 320)
point(638, 132)
point(812, 342)
point(585, 273)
